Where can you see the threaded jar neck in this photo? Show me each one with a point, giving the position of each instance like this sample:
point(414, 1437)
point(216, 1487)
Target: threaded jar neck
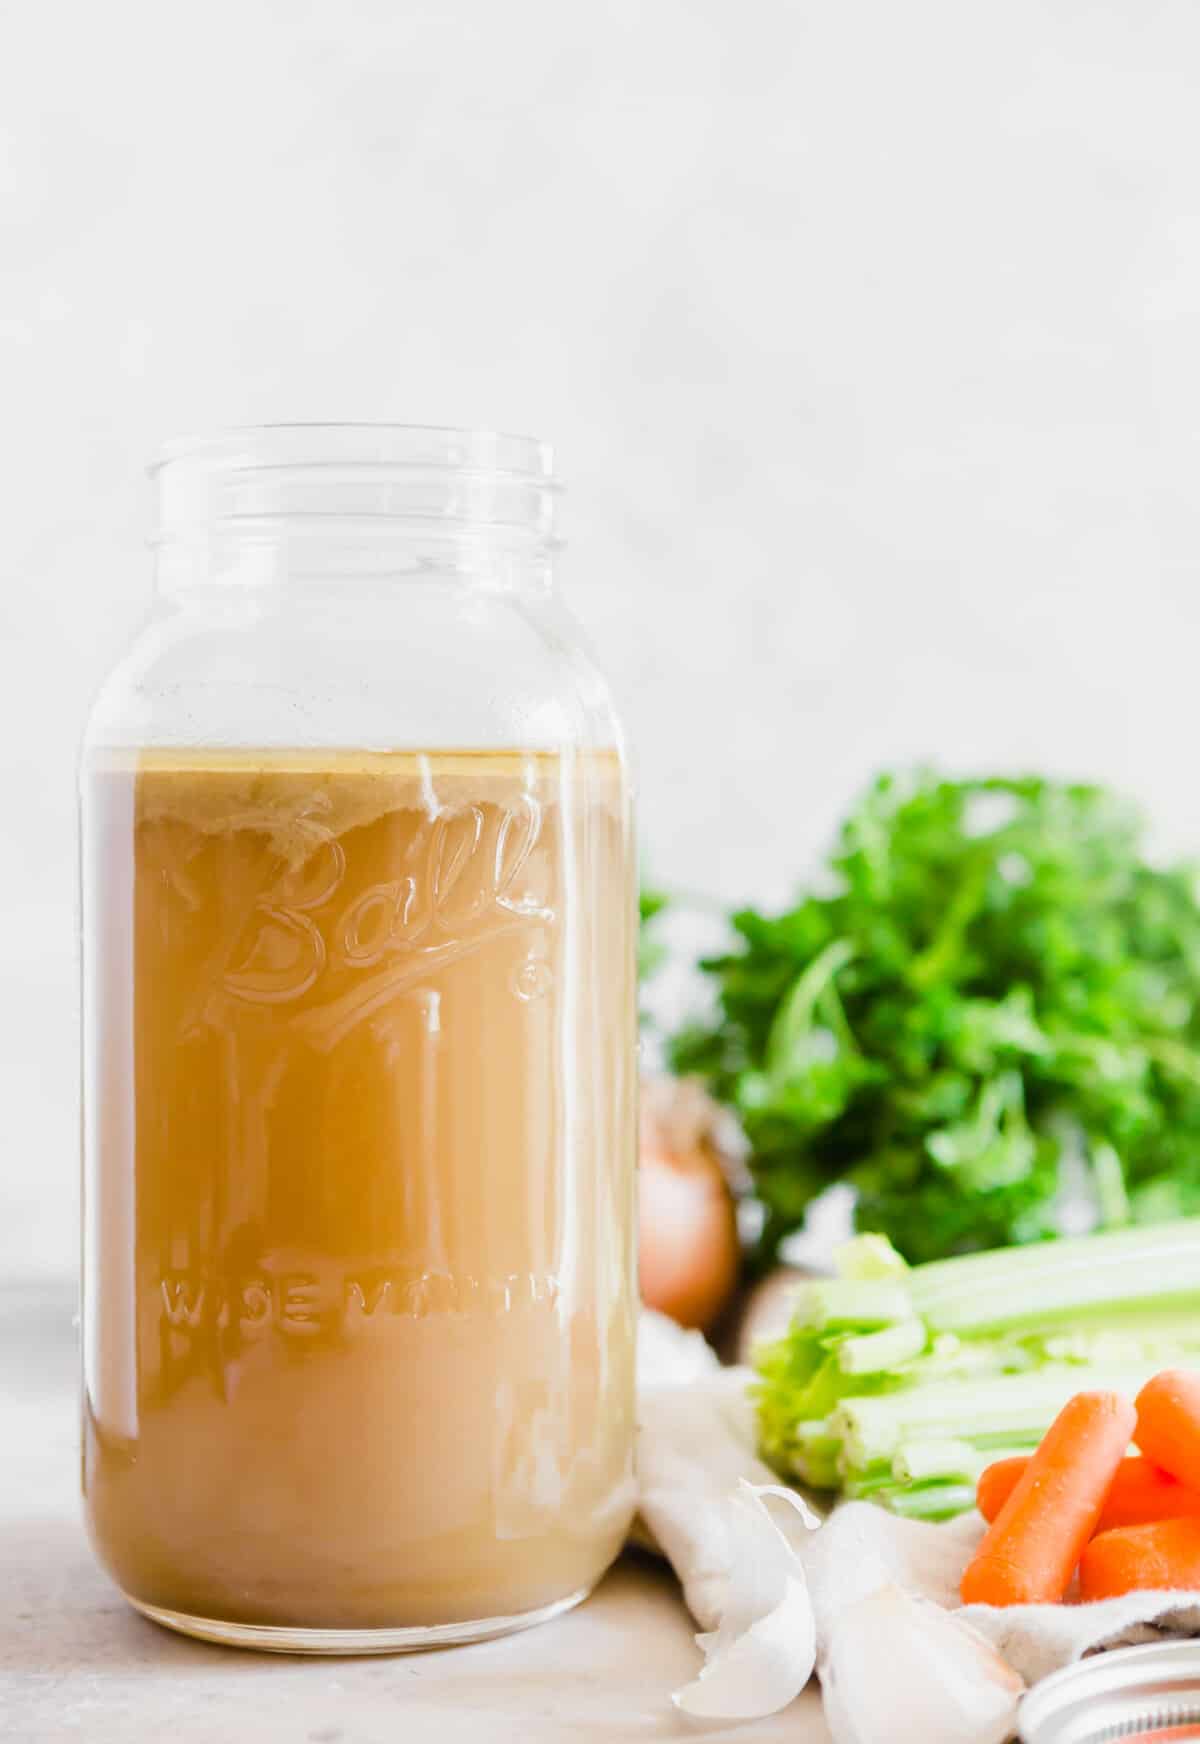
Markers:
point(358, 499)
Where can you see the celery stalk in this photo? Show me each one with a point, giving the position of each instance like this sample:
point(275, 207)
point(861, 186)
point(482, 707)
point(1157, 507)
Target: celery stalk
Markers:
point(999, 1411)
point(1111, 1274)
point(929, 1501)
point(874, 1353)
point(838, 1304)
point(916, 1462)
point(869, 1256)
point(815, 1459)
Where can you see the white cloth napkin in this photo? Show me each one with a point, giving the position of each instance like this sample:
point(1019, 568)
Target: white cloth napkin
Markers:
point(776, 1594)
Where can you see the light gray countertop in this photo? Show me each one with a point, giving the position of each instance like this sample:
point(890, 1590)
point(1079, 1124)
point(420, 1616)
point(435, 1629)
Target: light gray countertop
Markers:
point(75, 1661)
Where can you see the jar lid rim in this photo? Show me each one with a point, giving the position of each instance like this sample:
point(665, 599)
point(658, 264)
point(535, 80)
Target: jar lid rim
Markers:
point(1116, 1694)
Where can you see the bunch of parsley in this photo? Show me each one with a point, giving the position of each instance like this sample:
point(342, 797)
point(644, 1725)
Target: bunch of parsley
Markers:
point(994, 1014)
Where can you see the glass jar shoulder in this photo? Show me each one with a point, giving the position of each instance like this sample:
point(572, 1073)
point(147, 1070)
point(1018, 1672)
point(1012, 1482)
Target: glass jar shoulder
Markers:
point(422, 665)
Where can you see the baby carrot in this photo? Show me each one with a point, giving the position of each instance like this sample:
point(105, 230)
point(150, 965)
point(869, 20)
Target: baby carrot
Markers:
point(997, 1483)
point(1031, 1548)
point(1140, 1492)
point(1168, 1424)
point(1164, 1555)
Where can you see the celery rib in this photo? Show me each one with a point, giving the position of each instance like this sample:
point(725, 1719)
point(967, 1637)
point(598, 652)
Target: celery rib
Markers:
point(840, 1304)
point(875, 1352)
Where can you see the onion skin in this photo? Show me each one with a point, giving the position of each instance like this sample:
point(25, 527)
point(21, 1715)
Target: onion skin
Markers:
point(690, 1253)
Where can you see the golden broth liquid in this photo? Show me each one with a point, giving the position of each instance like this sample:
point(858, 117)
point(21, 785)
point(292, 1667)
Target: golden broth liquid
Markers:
point(360, 1113)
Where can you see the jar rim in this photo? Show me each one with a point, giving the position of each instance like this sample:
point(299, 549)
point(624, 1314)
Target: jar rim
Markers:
point(323, 443)
point(302, 479)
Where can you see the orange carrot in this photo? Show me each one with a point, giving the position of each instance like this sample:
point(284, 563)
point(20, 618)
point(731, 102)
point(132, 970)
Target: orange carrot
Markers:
point(1168, 1424)
point(1031, 1548)
point(997, 1483)
point(1140, 1492)
point(1164, 1555)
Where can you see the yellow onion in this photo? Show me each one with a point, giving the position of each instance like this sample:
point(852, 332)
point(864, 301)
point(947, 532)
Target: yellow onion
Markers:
point(689, 1248)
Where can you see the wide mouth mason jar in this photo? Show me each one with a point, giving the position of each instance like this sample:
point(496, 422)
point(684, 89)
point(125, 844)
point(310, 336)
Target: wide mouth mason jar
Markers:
point(360, 1079)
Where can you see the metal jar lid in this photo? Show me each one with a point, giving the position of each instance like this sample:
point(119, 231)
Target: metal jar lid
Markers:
point(1133, 1695)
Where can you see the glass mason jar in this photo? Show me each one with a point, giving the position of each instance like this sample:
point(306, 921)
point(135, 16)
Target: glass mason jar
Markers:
point(360, 1082)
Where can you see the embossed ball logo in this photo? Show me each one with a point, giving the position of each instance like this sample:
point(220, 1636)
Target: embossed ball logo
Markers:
point(466, 885)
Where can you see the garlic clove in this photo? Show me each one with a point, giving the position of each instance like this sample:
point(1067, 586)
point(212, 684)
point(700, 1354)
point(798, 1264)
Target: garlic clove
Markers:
point(759, 1671)
point(763, 1650)
point(950, 1684)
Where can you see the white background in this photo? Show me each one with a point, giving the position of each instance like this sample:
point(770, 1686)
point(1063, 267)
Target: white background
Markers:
point(866, 332)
